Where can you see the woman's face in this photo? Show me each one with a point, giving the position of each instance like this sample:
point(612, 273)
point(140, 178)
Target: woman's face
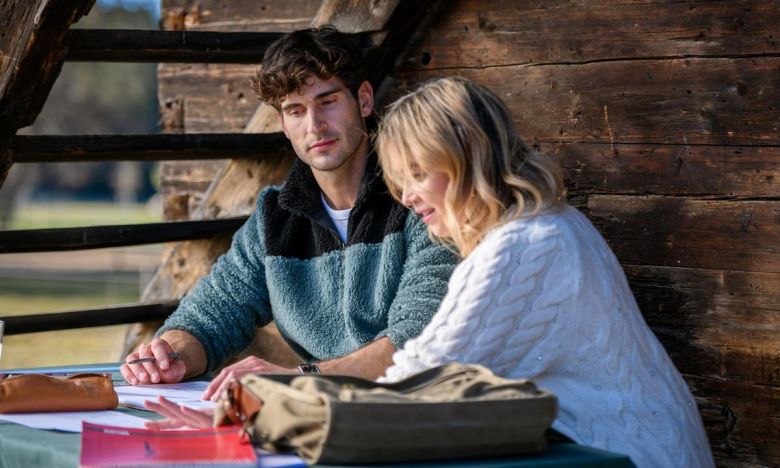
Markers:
point(424, 193)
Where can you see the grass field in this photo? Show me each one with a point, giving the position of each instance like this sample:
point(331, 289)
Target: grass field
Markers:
point(71, 214)
point(63, 291)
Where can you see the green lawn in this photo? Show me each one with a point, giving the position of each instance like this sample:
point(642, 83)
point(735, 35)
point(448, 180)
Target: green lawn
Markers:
point(71, 214)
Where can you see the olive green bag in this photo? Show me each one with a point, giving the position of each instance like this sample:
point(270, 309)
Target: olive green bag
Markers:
point(448, 412)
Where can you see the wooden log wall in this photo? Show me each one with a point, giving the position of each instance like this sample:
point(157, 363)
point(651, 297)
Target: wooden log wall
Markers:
point(665, 117)
point(213, 97)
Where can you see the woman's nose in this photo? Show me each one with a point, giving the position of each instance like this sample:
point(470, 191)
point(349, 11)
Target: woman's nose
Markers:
point(407, 197)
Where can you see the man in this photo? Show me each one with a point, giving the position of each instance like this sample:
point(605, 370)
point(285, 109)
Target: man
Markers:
point(347, 273)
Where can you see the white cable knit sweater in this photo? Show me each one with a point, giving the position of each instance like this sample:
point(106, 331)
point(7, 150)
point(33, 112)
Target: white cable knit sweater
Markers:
point(546, 299)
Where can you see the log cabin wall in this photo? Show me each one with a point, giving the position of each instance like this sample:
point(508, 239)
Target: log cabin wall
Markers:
point(213, 98)
point(665, 116)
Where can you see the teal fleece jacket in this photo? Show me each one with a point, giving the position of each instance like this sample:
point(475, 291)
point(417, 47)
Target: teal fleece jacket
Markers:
point(328, 298)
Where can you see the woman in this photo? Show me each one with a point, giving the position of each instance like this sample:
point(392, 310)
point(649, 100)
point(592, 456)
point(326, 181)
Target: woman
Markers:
point(539, 294)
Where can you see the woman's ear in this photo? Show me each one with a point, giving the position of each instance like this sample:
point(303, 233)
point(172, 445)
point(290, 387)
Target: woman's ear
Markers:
point(365, 97)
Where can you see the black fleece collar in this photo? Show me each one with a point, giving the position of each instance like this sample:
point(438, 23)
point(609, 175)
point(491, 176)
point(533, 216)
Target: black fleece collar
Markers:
point(301, 193)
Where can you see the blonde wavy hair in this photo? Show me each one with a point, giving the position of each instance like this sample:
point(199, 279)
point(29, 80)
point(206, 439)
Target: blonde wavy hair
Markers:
point(455, 126)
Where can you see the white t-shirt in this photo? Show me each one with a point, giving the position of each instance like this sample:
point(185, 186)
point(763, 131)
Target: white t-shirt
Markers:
point(340, 218)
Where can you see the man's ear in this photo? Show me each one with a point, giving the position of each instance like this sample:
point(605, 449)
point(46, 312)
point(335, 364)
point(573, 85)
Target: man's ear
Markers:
point(281, 122)
point(365, 96)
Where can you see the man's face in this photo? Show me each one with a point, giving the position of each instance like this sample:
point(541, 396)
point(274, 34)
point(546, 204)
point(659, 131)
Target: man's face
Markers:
point(325, 123)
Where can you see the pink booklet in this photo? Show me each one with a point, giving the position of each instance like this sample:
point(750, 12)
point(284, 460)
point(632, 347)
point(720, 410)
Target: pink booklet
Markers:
point(122, 446)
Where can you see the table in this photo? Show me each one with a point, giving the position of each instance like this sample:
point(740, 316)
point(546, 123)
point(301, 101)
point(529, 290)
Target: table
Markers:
point(23, 447)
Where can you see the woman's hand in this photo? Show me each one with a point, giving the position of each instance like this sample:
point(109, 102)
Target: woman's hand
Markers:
point(178, 417)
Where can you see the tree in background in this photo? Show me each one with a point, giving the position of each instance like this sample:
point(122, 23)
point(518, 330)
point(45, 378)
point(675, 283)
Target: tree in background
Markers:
point(92, 98)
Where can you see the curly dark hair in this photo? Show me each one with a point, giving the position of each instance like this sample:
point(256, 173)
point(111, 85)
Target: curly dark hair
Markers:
point(291, 62)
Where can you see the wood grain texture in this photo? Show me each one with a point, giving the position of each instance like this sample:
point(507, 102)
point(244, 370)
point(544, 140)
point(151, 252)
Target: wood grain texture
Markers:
point(512, 32)
point(717, 101)
point(693, 233)
point(715, 171)
point(735, 417)
point(238, 15)
point(715, 323)
point(351, 16)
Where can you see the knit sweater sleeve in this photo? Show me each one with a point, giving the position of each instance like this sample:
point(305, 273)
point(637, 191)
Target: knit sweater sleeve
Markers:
point(423, 284)
point(501, 304)
point(225, 306)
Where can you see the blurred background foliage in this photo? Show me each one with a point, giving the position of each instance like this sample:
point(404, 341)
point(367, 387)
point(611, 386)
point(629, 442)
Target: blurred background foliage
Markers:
point(92, 98)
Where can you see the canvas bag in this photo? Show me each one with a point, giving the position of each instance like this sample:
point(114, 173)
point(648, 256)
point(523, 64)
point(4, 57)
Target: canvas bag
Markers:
point(448, 412)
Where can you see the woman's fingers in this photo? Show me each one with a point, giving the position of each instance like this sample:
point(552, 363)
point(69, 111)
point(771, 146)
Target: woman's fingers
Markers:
point(177, 416)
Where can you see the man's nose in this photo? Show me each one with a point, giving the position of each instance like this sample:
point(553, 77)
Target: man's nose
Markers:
point(316, 122)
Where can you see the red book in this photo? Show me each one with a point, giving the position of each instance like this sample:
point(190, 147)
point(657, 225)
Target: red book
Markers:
point(122, 446)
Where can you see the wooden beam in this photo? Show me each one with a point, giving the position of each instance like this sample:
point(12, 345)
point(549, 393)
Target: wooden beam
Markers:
point(99, 317)
point(31, 57)
point(96, 237)
point(37, 149)
point(120, 45)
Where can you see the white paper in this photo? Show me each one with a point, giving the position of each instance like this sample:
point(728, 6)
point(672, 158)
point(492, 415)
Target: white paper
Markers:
point(185, 394)
point(182, 391)
point(137, 401)
point(71, 421)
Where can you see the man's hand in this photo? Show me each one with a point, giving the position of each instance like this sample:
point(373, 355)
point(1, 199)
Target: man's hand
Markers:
point(161, 370)
point(235, 371)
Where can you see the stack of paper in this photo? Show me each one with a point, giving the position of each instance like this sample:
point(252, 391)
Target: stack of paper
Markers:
point(185, 394)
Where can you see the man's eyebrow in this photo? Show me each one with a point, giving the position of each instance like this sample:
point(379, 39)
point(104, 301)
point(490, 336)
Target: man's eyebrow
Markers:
point(321, 95)
point(329, 92)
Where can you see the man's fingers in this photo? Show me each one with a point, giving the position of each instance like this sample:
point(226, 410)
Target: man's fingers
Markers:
point(127, 374)
point(161, 349)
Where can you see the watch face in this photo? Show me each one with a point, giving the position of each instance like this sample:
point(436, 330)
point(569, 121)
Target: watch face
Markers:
point(309, 369)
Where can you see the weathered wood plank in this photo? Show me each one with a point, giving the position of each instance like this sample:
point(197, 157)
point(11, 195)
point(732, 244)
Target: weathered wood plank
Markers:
point(740, 420)
point(103, 316)
point(714, 323)
point(733, 171)
point(30, 60)
point(238, 15)
point(96, 237)
point(510, 32)
point(226, 107)
point(686, 101)
point(155, 147)
point(352, 16)
point(692, 233)
point(102, 45)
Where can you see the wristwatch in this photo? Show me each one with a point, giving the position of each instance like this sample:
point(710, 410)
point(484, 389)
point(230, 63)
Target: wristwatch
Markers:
point(309, 369)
